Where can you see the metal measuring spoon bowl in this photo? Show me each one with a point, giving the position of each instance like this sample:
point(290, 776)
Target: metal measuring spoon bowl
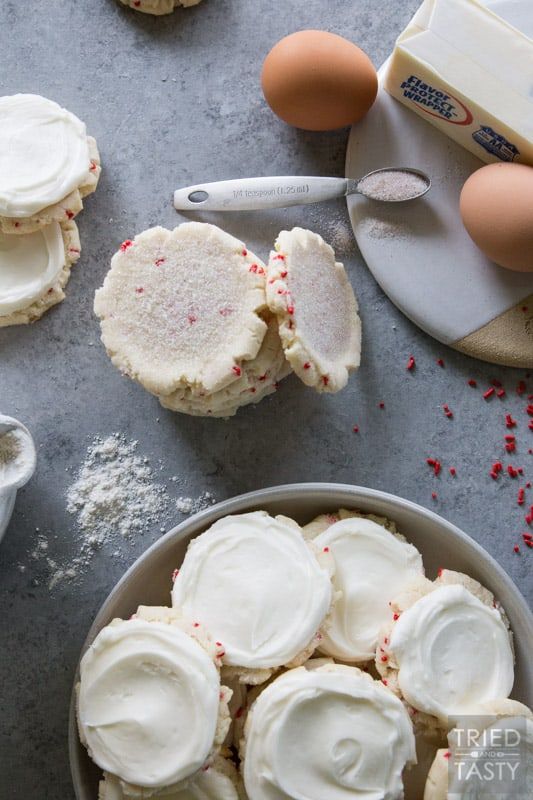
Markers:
point(394, 184)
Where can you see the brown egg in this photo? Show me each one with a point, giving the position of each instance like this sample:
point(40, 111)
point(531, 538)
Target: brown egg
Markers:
point(318, 81)
point(497, 211)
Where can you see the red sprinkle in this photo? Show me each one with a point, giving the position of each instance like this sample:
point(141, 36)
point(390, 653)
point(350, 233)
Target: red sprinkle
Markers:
point(448, 412)
point(237, 371)
point(283, 274)
point(196, 624)
point(245, 252)
point(453, 472)
point(192, 319)
point(500, 393)
point(69, 213)
point(521, 388)
point(279, 257)
point(124, 246)
point(93, 166)
point(509, 421)
point(411, 364)
point(488, 393)
point(326, 549)
point(529, 410)
point(325, 380)
point(440, 362)
point(472, 383)
point(511, 471)
point(447, 754)
point(384, 682)
point(435, 463)
point(516, 548)
point(510, 447)
point(307, 365)
point(290, 309)
point(521, 497)
point(439, 571)
point(395, 617)
point(384, 659)
point(496, 383)
point(355, 429)
point(382, 404)
point(434, 495)
point(175, 574)
point(139, 289)
point(159, 261)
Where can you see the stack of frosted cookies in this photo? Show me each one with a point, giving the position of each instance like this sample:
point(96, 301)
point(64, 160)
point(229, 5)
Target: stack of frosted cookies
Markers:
point(48, 164)
point(295, 663)
point(201, 322)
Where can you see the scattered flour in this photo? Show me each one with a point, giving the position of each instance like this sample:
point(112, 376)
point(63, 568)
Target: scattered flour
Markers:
point(115, 499)
point(192, 505)
point(383, 229)
point(340, 236)
point(10, 447)
point(115, 491)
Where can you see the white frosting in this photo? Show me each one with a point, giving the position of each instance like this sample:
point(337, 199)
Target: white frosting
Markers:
point(453, 652)
point(44, 154)
point(327, 734)
point(29, 265)
point(257, 587)
point(148, 702)
point(207, 785)
point(372, 567)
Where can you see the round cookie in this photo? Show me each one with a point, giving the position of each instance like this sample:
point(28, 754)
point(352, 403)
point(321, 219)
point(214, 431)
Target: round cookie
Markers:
point(262, 591)
point(372, 565)
point(495, 715)
point(216, 782)
point(34, 270)
point(47, 163)
point(182, 308)
point(158, 7)
point(316, 308)
point(331, 732)
point(259, 377)
point(151, 662)
point(447, 649)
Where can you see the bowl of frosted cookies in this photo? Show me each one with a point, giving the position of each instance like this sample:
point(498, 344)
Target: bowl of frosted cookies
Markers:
point(304, 641)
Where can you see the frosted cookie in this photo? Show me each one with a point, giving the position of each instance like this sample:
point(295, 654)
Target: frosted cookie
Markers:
point(47, 163)
point(158, 7)
point(182, 308)
point(316, 308)
point(498, 717)
point(216, 782)
point(321, 523)
point(260, 589)
point(372, 565)
point(259, 377)
point(142, 684)
point(332, 733)
point(34, 270)
point(448, 648)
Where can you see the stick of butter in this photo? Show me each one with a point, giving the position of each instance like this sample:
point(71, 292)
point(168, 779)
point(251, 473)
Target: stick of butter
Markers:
point(469, 71)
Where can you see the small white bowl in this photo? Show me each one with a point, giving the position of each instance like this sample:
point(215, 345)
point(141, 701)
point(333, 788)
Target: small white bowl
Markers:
point(8, 495)
point(149, 580)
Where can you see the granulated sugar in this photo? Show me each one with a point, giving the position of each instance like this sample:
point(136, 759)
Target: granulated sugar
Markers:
point(10, 447)
point(392, 185)
point(115, 491)
point(383, 229)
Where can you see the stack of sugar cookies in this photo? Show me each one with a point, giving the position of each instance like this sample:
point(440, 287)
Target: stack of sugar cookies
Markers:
point(295, 663)
point(201, 322)
point(47, 165)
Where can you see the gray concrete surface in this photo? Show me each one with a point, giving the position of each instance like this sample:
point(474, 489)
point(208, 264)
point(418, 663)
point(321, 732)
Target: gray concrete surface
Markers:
point(173, 101)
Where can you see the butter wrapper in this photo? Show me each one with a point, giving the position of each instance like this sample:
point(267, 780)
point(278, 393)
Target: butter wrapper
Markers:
point(468, 71)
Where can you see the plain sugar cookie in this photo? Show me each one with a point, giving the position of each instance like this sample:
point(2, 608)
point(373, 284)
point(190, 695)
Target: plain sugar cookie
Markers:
point(316, 308)
point(183, 308)
point(47, 163)
point(34, 270)
point(158, 7)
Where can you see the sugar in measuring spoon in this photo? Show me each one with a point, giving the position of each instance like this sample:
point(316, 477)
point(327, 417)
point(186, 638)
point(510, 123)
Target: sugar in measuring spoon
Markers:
point(388, 185)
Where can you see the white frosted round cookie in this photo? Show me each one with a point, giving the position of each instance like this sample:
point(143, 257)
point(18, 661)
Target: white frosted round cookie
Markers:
point(142, 683)
point(182, 308)
point(254, 582)
point(490, 725)
point(259, 377)
point(34, 270)
point(327, 733)
point(446, 651)
point(210, 784)
point(316, 308)
point(158, 7)
point(372, 566)
point(47, 163)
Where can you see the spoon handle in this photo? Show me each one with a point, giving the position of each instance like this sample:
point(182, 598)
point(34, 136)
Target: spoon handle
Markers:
point(252, 194)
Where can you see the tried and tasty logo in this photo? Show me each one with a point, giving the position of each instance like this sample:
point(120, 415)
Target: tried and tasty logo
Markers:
point(436, 102)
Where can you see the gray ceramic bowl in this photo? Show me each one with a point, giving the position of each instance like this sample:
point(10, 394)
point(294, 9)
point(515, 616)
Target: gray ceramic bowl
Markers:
point(148, 581)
